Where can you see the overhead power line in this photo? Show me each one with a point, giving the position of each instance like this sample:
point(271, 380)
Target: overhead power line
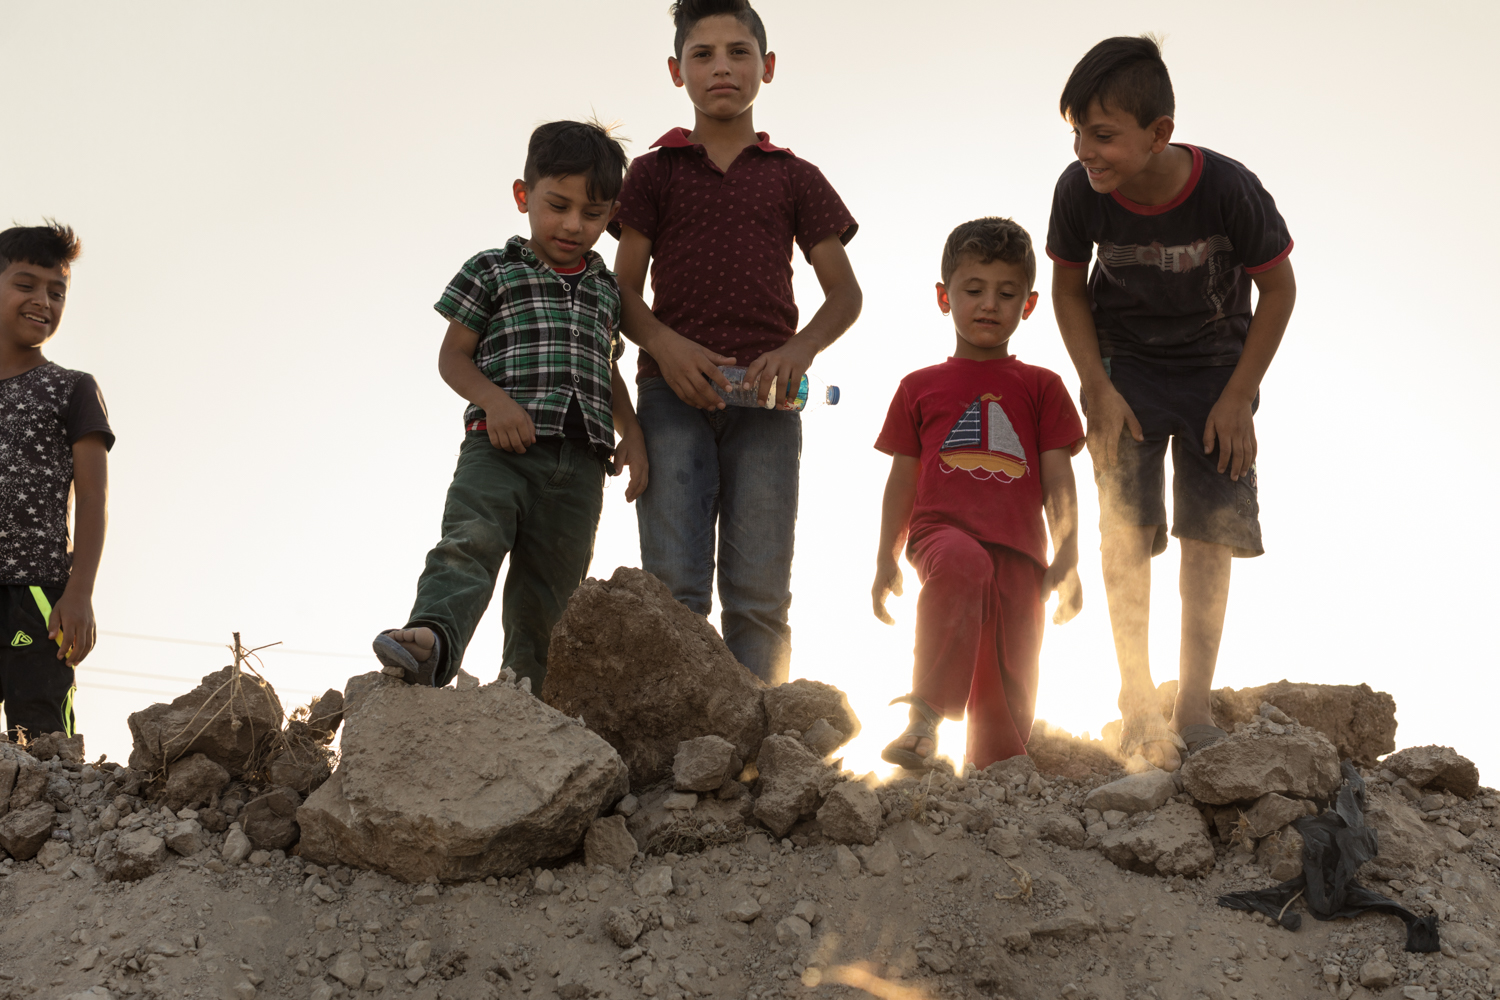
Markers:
point(225, 645)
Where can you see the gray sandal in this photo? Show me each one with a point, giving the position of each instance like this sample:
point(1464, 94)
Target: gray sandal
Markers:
point(1200, 736)
point(397, 662)
point(923, 725)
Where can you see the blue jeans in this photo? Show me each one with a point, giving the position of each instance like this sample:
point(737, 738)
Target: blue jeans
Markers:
point(736, 471)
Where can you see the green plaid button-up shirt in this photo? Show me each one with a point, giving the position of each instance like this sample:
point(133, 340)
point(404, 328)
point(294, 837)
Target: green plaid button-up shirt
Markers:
point(542, 346)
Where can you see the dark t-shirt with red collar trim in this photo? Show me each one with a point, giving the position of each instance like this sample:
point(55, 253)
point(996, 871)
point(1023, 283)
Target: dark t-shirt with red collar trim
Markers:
point(1171, 283)
point(721, 243)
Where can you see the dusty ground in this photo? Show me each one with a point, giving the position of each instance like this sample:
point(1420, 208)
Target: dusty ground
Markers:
point(957, 922)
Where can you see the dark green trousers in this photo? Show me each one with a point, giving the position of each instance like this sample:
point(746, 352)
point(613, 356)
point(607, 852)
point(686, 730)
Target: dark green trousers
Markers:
point(542, 509)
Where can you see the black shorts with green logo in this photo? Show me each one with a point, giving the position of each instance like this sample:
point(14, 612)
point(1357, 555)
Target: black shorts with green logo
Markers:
point(36, 687)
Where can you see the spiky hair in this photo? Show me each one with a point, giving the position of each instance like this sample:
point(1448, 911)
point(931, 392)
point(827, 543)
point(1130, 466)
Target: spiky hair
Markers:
point(47, 245)
point(687, 13)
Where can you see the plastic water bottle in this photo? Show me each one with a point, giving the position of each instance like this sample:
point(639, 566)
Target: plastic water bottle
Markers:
point(812, 392)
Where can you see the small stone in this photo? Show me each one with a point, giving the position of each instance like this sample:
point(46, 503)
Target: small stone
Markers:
point(609, 843)
point(349, 969)
point(1436, 767)
point(654, 882)
point(1017, 940)
point(427, 895)
point(702, 764)
point(1003, 841)
point(935, 959)
point(851, 814)
point(52, 852)
point(376, 978)
point(1377, 974)
point(793, 931)
point(807, 910)
point(418, 953)
point(845, 861)
point(236, 846)
point(914, 839)
point(821, 738)
point(414, 974)
point(1133, 793)
point(187, 838)
point(1062, 829)
point(744, 912)
point(1174, 842)
point(627, 806)
point(1271, 812)
point(1113, 818)
point(623, 927)
point(24, 831)
point(881, 859)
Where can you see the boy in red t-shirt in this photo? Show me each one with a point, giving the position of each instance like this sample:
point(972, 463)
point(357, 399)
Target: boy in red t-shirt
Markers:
point(714, 214)
point(980, 445)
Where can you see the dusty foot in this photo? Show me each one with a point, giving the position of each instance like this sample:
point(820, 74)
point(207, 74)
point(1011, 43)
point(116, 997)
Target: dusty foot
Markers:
point(419, 642)
point(921, 744)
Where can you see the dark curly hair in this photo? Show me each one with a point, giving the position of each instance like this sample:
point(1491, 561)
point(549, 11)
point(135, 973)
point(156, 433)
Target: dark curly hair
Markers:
point(561, 149)
point(987, 240)
point(48, 245)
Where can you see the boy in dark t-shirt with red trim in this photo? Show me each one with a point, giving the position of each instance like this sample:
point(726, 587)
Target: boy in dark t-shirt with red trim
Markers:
point(714, 212)
point(980, 446)
point(1169, 350)
point(54, 442)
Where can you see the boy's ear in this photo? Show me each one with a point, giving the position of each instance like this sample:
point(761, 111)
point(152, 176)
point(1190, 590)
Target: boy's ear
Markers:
point(521, 192)
point(1161, 133)
point(1030, 305)
point(770, 68)
point(674, 69)
point(614, 210)
point(942, 296)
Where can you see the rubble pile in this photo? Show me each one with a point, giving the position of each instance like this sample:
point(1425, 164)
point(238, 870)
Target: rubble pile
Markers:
point(478, 842)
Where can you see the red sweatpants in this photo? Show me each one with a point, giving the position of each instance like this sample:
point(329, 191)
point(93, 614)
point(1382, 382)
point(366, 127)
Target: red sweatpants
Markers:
point(979, 639)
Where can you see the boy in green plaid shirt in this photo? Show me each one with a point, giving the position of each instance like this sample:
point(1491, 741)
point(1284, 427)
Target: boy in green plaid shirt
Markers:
point(533, 336)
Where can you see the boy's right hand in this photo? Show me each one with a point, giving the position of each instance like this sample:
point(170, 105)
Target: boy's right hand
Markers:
point(688, 368)
point(887, 582)
point(509, 425)
point(1108, 414)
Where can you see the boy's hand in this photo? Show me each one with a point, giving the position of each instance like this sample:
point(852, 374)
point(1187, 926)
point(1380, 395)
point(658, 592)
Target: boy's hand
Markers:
point(509, 425)
point(631, 451)
point(1064, 580)
point(72, 627)
point(1233, 423)
point(887, 581)
point(1108, 414)
point(688, 368)
point(787, 364)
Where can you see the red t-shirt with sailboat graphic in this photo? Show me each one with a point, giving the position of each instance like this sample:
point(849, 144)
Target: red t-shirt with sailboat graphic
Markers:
point(978, 429)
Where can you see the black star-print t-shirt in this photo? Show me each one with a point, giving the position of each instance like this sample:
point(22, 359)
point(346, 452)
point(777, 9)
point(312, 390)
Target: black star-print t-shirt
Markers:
point(42, 413)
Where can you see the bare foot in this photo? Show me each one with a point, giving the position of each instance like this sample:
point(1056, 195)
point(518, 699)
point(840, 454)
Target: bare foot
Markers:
point(1162, 754)
point(419, 642)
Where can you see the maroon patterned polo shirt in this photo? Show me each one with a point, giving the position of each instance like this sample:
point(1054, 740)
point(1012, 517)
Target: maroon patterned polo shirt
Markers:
point(721, 243)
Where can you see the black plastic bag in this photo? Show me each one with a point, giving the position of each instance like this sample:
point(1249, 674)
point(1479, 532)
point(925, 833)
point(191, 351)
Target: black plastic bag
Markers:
point(1337, 843)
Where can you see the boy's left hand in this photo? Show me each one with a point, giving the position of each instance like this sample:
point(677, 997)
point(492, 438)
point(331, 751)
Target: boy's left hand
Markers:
point(787, 364)
point(1064, 580)
point(72, 627)
point(631, 451)
point(1232, 422)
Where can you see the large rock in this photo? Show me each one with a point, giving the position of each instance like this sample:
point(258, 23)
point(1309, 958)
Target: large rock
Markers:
point(800, 703)
point(270, 821)
point(326, 713)
point(1436, 767)
point(701, 765)
point(59, 745)
point(1133, 793)
point(792, 779)
point(1173, 842)
point(851, 814)
point(1359, 721)
point(1403, 838)
point(192, 782)
point(646, 673)
point(1281, 854)
point(1245, 766)
point(24, 831)
point(232, 718)
point(458, 784)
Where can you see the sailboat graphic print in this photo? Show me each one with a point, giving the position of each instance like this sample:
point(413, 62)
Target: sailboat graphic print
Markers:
point(1000, 457)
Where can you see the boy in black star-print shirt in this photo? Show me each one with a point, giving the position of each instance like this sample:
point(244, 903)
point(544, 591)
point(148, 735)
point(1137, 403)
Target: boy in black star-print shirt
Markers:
point(54, 436)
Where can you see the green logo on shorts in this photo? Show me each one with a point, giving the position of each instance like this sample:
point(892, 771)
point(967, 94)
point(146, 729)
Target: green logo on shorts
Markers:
point(21, 639)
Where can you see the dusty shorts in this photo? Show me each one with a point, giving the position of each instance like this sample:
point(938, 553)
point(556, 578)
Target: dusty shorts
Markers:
point(35, 686)
point(1172, 402)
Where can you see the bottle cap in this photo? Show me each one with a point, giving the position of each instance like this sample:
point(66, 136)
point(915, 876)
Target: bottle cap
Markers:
point(833, 395)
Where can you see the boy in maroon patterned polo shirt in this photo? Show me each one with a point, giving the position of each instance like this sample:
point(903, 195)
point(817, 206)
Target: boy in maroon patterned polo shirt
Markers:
point(714, 212)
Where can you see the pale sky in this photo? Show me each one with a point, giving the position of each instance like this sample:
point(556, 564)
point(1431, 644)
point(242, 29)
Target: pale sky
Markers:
point(272, 196)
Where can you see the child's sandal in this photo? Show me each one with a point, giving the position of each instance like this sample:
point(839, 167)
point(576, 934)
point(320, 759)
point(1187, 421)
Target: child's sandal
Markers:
point(924, 721)
point(397, 662)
